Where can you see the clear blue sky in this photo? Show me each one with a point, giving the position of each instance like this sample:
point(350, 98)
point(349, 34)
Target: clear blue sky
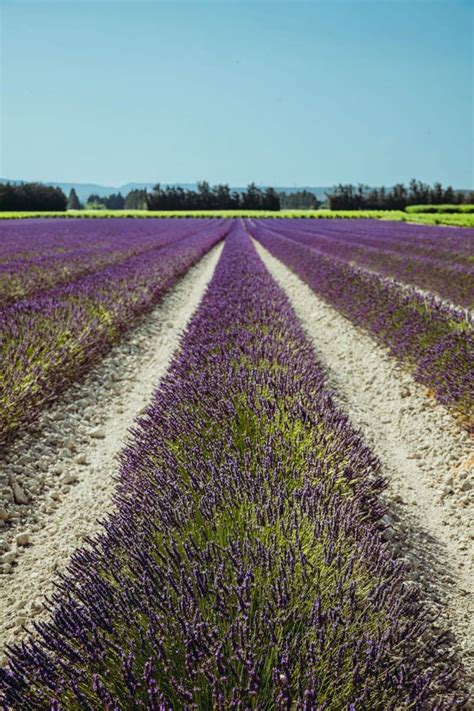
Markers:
point(280, 92)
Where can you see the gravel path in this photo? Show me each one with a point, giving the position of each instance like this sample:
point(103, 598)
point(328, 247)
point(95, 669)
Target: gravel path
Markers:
point(57, 480)
point(427, 459)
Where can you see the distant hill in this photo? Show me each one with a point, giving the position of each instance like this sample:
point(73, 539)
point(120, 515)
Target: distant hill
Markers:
point(83, 190)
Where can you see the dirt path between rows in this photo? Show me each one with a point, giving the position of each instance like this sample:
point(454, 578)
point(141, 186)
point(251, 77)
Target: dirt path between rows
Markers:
point(57, 480)
point(426, 458)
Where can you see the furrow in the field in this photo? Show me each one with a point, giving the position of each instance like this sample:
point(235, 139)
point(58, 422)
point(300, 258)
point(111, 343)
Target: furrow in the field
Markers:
point(66, 465)
point(427, 460)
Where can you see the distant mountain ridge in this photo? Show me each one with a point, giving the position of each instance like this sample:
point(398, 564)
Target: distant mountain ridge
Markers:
point(83, 190)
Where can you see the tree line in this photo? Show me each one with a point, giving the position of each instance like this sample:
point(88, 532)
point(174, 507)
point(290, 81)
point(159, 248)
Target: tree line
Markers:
point(361, 197)
point(217, 197)
point(39, 197)
point(31, 197)
point(205, 197)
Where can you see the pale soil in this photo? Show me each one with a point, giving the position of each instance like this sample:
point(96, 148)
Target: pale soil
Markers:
point(57, 480)
point(426, 458)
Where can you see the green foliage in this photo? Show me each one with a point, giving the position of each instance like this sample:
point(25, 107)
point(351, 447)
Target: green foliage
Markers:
point(217, 197)
point(310, 214)
point(361, 197)
point(299, 200)
point(462, 219)
point(112, 202)
point(436, 209)
point(73, 202)
point(137, 200)
point(31, 197)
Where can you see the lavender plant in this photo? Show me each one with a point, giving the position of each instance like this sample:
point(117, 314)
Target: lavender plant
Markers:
point(54, 337)
point(441, 262)
point(433, 339)
point(243, 567)
point(37, 255)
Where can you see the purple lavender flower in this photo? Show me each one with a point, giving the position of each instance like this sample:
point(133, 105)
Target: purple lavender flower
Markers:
point(243, 566)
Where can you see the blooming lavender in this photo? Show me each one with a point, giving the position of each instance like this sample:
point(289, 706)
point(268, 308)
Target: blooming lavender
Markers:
point(433, 339)
point(51, 338)
point(433, 259)
point(37, 255)
point(244, 566)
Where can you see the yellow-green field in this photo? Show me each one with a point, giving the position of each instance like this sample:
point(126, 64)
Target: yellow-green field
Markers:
point(451, 219)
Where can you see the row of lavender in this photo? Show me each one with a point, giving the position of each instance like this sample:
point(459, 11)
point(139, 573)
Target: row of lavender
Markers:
point(244, 566)
point(436, 341)
point(438, 260)
point(454, 244)
point(52, 338)
point(36, 255)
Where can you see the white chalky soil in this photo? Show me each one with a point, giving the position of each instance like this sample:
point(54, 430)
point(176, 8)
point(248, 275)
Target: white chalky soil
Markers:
point(57, 481)
point(426, 458)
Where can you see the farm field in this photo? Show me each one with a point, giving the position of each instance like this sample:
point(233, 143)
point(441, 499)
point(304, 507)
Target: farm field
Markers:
point(435, 338)
point(64, 312)
point(453, 218)
point(427, 258)
point(273, 419)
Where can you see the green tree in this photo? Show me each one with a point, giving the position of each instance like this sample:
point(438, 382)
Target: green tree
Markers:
point(252, 198)
point(205, 195)
point(437, 194)
point(31, 196)
point(115, 202)
point(270, 200)
point(95, 202)
point(448, 196)
point(73, 202)
point(136, 200)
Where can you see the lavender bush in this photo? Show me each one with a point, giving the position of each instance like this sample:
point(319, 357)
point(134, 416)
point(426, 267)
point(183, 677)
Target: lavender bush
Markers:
point(51, 339)
point(436, 341)
point(438, 262)
point(37, 255)
point(244, 566)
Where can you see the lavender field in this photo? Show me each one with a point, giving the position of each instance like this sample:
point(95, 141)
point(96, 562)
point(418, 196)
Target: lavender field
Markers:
point(287, 516)
point(432, 335)
point(74, 306)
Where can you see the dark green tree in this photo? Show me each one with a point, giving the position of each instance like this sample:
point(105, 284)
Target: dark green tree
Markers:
point(270, 200)
point(437, 194)
point(32, 197)
point(115, 202)
point(251, 198)
point(448, 196)
point(205, 199)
